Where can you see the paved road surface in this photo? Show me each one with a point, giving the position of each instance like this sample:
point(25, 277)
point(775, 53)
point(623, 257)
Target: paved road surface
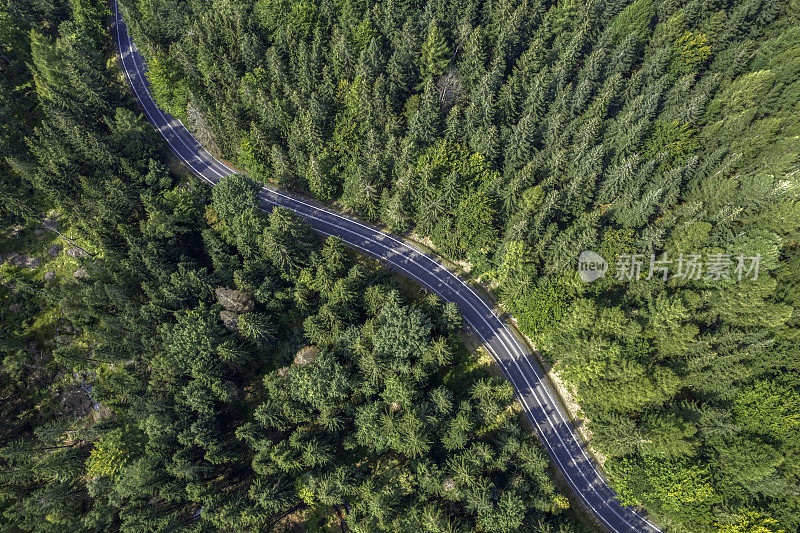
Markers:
point(532, 388)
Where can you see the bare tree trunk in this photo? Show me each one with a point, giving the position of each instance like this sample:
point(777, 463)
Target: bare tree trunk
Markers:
point(342, 523)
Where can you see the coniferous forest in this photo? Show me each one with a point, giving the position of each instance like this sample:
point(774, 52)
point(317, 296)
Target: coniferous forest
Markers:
point(174, 359)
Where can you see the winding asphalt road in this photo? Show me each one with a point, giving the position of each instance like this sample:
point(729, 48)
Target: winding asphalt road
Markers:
point(514, 358)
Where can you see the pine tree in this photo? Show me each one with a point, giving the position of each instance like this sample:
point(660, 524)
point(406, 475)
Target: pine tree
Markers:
point(435, 54)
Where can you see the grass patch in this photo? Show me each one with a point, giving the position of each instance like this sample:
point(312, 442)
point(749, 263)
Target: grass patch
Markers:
point(34, 241)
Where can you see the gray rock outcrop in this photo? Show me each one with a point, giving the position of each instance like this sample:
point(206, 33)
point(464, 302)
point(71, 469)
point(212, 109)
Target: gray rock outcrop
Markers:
point(76, 252)
point(229, 319)
point(233, 300)
point(306, 356)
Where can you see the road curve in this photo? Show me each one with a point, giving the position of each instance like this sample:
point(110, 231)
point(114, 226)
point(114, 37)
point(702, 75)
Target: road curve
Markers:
point(534, 392)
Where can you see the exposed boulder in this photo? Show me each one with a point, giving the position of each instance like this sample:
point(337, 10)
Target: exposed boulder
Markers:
point(15, 259)
point(229, 319)
point(76, 252)
point(50, 275)
point(33, 262)
point(81, 274)
point(51, 221)
point(54, 250)
point(233, 300)
point(306, 356)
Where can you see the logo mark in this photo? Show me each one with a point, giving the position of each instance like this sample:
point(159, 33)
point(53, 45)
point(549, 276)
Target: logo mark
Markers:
point(591, 266)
